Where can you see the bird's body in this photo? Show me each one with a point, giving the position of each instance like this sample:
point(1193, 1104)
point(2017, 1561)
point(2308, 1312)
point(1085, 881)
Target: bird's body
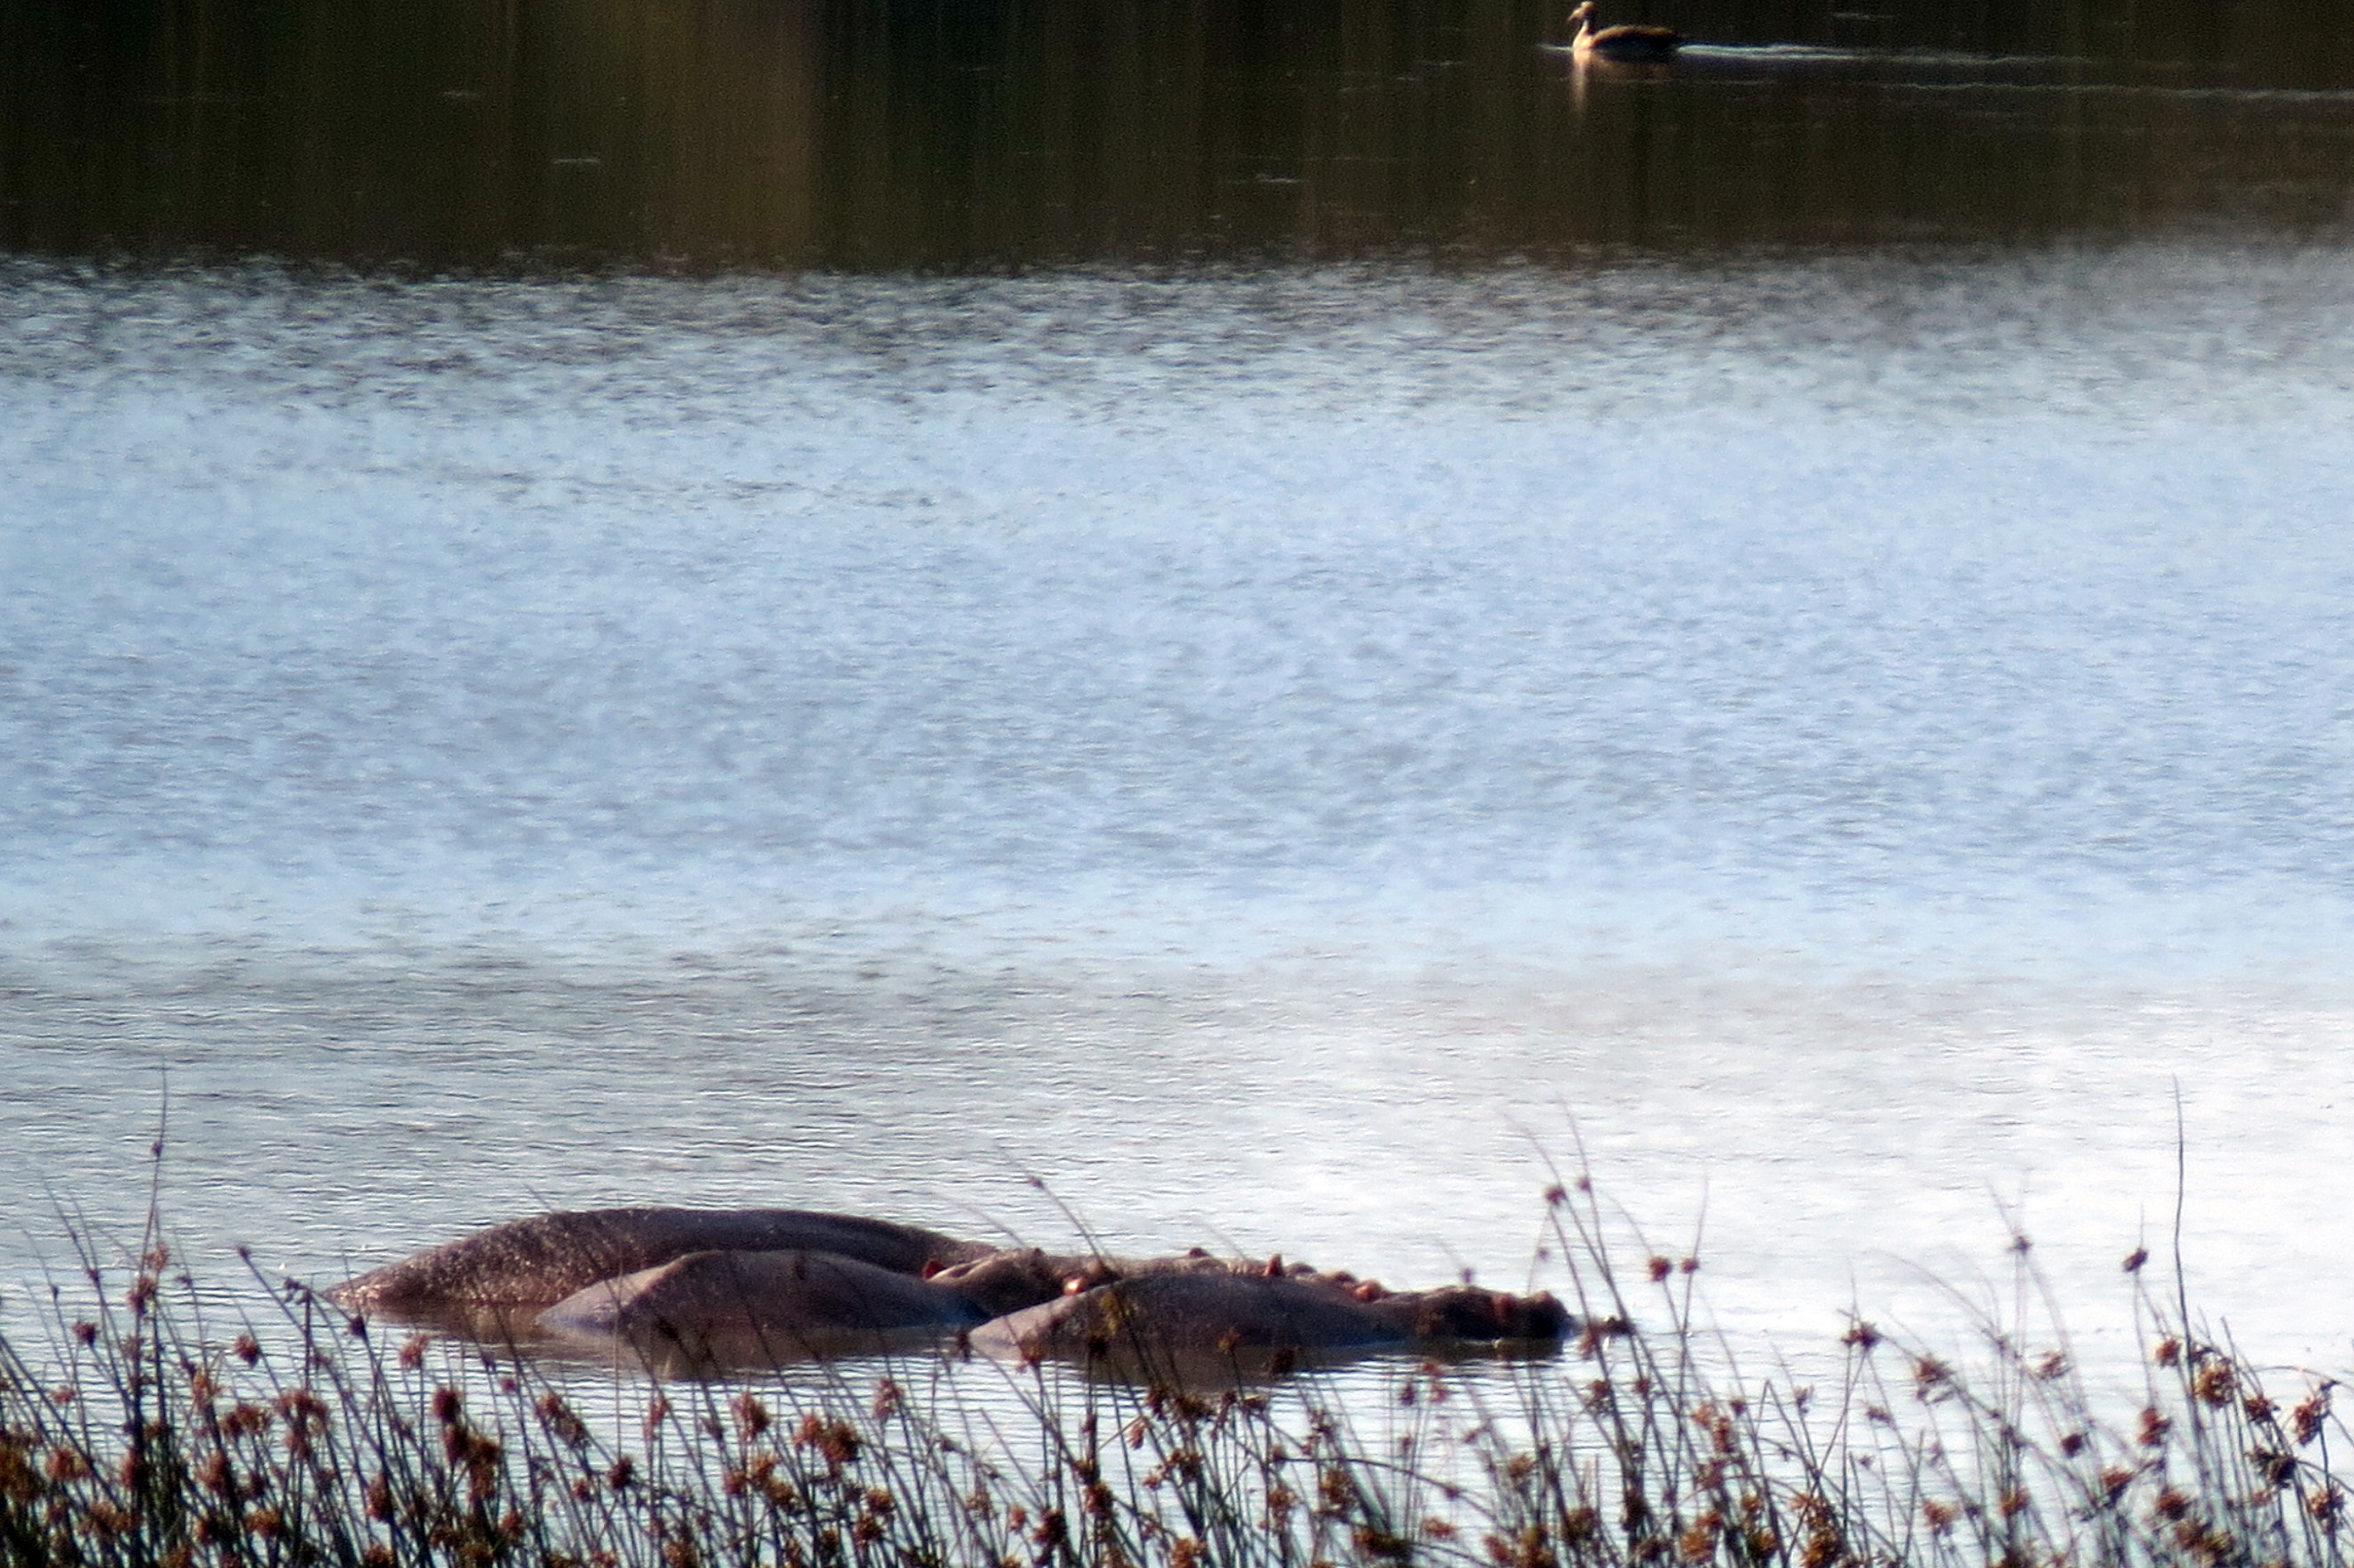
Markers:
point(1631, 42)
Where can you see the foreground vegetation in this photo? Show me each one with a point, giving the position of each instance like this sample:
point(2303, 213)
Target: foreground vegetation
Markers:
point(142, 1436)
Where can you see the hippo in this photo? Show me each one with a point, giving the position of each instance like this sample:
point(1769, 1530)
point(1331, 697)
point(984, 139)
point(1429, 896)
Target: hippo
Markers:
point(1008, 1280)
point(496, 1277)
point(711, 1312)
point(1221, 1322)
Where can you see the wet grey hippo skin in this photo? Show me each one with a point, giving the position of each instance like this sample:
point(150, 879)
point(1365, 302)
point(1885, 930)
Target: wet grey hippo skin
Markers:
point(721, 1311)
point(1197, 1317)
point(530, 1263)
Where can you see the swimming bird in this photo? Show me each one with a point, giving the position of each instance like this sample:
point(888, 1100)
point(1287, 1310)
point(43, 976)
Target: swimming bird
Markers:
point(1631, 42)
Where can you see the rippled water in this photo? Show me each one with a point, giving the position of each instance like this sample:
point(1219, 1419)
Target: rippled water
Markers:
point(1278, 756)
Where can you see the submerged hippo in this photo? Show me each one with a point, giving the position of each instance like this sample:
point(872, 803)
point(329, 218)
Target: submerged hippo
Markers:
point(1192, 1322)
point(716, 1312)
point(517, 1268)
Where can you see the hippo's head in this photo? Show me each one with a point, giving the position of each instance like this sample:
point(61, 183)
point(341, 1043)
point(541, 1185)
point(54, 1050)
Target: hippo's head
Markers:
point(1010, 1280)
point(1467, 1312)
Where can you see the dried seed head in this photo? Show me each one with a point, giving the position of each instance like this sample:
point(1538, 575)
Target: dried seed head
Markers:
point(560, 1419)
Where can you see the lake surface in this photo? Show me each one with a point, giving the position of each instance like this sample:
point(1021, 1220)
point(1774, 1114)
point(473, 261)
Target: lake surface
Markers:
point(961, 136)
point(1283, 716)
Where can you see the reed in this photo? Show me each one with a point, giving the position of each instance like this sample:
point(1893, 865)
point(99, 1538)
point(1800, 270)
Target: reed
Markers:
point(145, 1434)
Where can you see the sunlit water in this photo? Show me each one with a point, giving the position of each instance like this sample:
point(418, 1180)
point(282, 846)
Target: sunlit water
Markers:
point(1283, 758)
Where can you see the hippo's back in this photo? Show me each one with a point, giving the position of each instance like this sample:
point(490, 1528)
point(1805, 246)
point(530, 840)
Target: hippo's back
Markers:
point(718, 1310)
point(1192, 1313)
point(536, 1262)
point(1185, 1324)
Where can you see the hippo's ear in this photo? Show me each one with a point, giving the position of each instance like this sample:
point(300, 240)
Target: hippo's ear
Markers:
point(1548, 1319)
point(932, 1267)
point(1537, 1316)
point(1274, 1270)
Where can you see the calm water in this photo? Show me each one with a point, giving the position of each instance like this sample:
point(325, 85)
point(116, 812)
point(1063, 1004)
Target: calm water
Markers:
point(952, 135)
point(1303, 621)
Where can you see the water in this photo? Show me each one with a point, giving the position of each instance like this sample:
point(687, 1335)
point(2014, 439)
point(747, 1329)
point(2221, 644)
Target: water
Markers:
point(1287, 622)
point(1277, 757)
point(991, 135)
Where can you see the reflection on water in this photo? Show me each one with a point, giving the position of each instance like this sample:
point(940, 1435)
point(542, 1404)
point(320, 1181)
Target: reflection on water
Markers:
point(899, 133)
point(1272, 756)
